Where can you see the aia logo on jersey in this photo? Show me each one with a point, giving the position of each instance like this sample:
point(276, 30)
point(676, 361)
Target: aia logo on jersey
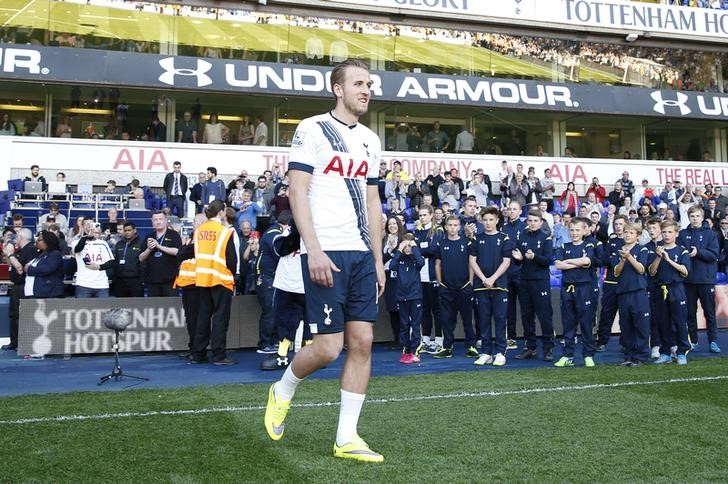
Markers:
point(352, 169)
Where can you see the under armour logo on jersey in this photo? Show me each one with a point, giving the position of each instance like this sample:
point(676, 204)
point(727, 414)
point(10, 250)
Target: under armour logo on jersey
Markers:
point(505, 299)
point(366, 148)
point(168, 64)
point(682, 303)
point(327, 310)
point(647, 315)
point(661, 102)
point(498, 242)
point(538, 244)
point(545, 293)
point(588, 303)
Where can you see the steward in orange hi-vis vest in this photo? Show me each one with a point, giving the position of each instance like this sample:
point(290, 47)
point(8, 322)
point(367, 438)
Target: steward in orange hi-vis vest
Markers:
point(187, 275)
point(211, 241)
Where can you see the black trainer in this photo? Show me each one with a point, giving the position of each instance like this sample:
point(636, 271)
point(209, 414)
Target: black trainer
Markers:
point(225, 362)
point(527, 354)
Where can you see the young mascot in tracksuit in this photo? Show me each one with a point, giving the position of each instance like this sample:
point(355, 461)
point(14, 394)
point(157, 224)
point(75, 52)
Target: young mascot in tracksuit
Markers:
point(534, 253)
point(490, 256)
point(653, 228)
point(289, 301)
point(427, 235)
point(577, 291)
point(630, 266)
point(597, 263)
point(454, 277)
point(670, 267)
point(609, 287)
point(408, 262)
point(513, 227)
point(702, 244)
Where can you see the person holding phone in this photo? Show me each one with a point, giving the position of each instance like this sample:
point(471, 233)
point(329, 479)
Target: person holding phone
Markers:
point(91, 251)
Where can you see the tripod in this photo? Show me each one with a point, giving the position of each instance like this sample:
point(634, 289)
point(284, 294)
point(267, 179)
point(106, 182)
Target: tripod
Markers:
point(117, 373)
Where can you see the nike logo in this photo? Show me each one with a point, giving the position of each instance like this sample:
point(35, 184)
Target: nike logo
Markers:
point(278, 430)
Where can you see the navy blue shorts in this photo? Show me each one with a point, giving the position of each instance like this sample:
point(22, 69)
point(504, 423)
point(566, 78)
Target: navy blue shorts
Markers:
point(353, 296)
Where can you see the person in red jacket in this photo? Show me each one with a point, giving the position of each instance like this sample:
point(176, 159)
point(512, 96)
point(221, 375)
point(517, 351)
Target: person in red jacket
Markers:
point(570, 199)
point(599, 192)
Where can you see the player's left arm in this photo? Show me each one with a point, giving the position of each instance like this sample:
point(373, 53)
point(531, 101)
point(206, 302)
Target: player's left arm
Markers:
point(374, 211)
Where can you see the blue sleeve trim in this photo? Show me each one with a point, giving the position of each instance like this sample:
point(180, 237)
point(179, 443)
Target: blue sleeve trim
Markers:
point(295, 165)
point(372, 181)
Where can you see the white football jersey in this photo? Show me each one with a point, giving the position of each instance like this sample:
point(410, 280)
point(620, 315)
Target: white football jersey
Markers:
point(343, 161)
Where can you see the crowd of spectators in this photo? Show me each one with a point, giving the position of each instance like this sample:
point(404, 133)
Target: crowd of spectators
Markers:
point(653, 67)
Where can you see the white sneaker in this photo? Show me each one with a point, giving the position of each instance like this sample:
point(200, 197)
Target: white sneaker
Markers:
point(483, 360)
point(655, 352)
point(500, 360)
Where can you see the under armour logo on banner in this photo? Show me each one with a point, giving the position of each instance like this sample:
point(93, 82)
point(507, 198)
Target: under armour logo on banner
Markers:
point(680, 103)
point(171, 71)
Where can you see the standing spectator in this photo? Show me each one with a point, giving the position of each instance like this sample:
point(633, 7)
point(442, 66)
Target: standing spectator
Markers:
point(213, 189)
point(433, 183)
point(156, 131)
point(570, 199)
point(215, 132)
point(514, 146)
point(448, 192)
point(216, 260)
point(548, 188)
point(721, 201)
point(249, 210)
point(64, 130)
point(518, 190)
point(616, 196)
point(261, 132)
point(196, 192)
point(600, 194)
point(7, 127)
point(437, 141)
point(185, 281)
point(246, 132)
point(393, 233)
point(160, 256)
point(280, 202)
point(395, 188)
point(263, 195)
point(560, 232)
point(417, 190)
point(186, 129)
point(684, 203)
point(479, 190)
point(627, 184)
point(464, 141)
point(125, 266)
point(55, 215)
point(569, 152)
point(91, 251)
point(397, 170)
point(35, 176)
point(19, 251)
point(534, 187)
point(175, 188)
point(44, 273)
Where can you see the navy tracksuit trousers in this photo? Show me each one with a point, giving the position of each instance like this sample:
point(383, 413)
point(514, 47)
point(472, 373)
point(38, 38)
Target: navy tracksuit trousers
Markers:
point(634, 323)
point(535, 298)
point(492, 304)
point(410, 318)
point(431, 309)
point(672, 314)
point(577, 311)
point(705, 293)
point(454, 301)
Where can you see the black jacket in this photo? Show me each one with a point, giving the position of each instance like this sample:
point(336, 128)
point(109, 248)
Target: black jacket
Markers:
point(168, 184)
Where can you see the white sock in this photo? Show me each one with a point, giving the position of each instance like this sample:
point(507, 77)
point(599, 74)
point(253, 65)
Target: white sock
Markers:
point(348, 416)
point(439, 340)
point(425, 340)
point(286, 386)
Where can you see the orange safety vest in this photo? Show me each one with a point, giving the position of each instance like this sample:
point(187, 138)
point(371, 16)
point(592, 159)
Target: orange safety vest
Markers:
point(187, 275)
point(211, 240)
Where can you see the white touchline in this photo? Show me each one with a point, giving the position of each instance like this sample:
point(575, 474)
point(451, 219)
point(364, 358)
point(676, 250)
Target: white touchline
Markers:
point(415, 398)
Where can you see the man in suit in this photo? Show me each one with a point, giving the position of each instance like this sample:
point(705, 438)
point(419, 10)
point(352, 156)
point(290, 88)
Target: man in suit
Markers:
point(713, 213)
point(175, 187)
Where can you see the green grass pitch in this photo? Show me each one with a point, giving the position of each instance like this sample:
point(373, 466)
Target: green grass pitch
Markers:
point(608, 424)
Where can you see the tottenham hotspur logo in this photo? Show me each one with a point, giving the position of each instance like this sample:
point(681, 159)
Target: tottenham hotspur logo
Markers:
point(327, 310)
point(680, 103)
point(171, 71)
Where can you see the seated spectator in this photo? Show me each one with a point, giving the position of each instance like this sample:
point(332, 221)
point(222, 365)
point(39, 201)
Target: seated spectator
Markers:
point(248, 211)
point(650, 197)
point(76, 231)
point(560, 233)
point(53, 216)
point(44, 273)
point(395, 209)
point(18, 222)
point(668, 195)
point(90, 249)
point(712, 213)
point(548, 219)
point(592, 205)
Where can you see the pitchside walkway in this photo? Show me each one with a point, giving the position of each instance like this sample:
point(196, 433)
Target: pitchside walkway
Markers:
point(20, 376)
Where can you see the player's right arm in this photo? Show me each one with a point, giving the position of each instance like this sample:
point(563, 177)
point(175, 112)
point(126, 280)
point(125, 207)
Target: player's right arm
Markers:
point(319, 265)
